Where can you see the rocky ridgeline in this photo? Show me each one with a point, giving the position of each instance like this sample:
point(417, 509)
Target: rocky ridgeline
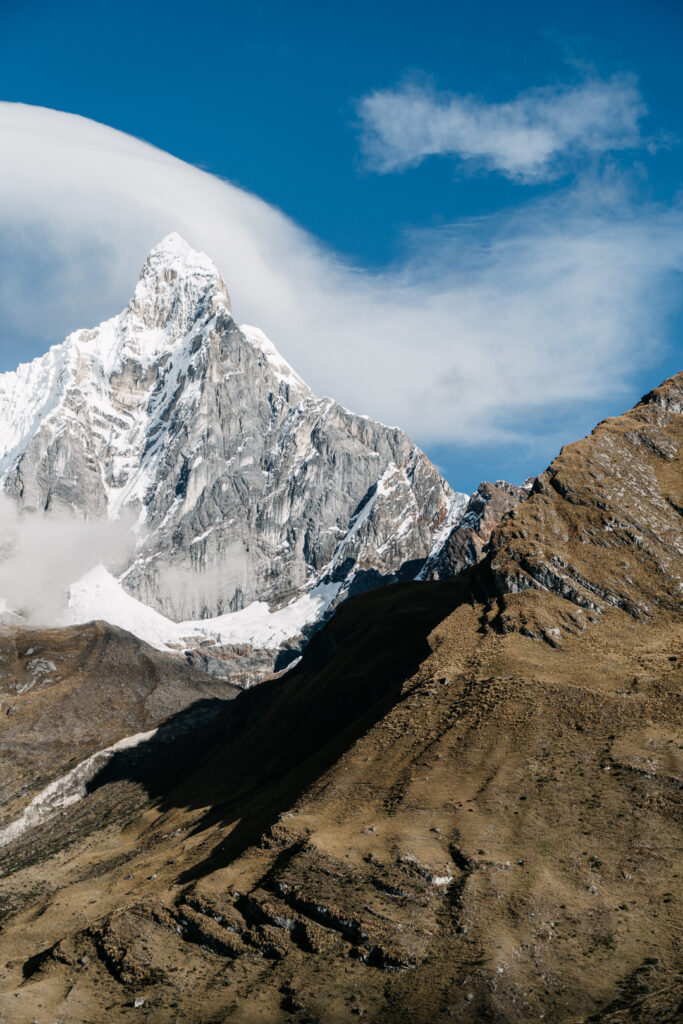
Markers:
point(602, 528)
point(467, 543)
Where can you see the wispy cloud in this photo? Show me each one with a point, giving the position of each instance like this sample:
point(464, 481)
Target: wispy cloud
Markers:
point(529, 138)
point(483, 326)
point(41, 554)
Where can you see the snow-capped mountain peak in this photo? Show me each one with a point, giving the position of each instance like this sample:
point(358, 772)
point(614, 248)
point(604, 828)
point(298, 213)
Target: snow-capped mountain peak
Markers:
point(177, 286)
point(246, 488)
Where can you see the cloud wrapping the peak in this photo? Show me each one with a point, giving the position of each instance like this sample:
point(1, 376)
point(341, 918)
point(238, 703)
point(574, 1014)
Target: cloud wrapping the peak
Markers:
point(484, 325)
point(528, 139)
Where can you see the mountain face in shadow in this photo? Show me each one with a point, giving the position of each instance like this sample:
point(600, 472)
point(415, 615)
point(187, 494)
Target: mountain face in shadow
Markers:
point(462, 804)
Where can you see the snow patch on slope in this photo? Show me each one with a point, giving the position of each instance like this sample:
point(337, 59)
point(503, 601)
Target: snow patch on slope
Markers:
point(68, 789)
point(99, 596)
point(454, 517)
point(279, 366)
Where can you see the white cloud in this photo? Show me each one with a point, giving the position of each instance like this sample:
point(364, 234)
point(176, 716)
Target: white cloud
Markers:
point(486, 323)
point(529, 138)
point(42, 554)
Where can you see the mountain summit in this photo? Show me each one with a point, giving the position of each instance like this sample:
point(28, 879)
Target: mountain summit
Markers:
point(244, 486)
point(177, 287)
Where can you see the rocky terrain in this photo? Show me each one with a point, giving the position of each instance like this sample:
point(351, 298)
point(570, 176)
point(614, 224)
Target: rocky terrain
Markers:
point(462, 804)
point(467, 542)
point(67, 694)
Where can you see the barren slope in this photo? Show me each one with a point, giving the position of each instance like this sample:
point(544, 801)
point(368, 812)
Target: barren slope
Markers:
point(67, 693)
point(463, 804)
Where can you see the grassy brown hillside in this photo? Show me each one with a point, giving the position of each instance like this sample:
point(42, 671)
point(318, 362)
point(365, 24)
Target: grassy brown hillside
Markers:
point(463, 804)
point(66, 693)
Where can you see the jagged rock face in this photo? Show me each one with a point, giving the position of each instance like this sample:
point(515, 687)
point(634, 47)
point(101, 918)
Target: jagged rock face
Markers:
point(244, 484)
point(602, 527)
point(467, 542)
point(240, 664)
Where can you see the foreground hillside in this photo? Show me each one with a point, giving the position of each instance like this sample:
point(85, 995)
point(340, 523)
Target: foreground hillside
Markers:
point(68, 694)
point(463, 804)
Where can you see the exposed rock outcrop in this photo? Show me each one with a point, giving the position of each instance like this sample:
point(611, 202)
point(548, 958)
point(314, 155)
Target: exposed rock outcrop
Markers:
point(602, 528)
point(467, 542)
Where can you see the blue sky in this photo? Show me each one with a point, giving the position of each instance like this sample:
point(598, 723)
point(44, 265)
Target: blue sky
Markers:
point(320, 111)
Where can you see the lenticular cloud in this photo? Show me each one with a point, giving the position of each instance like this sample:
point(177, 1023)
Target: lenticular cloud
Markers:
point(481, 326)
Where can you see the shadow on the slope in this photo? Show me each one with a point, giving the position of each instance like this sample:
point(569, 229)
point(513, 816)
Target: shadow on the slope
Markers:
point(370, 579)
point(254, 757)
point(362, 581)
point(166, 758)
